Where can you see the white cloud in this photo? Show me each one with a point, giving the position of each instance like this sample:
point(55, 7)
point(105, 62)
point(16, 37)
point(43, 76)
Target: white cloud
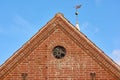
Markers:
point(116, 55)
point(90, 28)
point(17, 25)
point(116, 52)
point(98, 2)
point(84, 25)
point(116, 41)
point(2, 30)
point(19, 20)
point(20, 26)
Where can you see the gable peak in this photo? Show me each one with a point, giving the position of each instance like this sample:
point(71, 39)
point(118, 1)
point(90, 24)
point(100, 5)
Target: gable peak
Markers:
point(59, 14)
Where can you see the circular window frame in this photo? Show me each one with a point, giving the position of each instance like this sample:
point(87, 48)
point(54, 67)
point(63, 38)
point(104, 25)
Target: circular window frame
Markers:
point(59, 52)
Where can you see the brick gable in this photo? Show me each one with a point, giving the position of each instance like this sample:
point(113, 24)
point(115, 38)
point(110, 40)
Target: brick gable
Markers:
point(82, 57)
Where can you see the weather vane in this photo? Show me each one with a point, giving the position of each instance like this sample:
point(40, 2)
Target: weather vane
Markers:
point(76, 13)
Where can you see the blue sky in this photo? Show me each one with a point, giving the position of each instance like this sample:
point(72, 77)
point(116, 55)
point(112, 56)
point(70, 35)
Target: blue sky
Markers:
point(99, 20)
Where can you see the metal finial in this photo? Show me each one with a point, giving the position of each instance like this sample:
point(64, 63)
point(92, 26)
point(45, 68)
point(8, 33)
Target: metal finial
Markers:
point(76, 13)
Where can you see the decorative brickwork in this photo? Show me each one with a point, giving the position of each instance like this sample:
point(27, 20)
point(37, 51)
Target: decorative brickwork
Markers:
point(82, 59)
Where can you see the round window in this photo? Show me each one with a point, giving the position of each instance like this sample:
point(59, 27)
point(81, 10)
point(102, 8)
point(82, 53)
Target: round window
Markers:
point(59, 52)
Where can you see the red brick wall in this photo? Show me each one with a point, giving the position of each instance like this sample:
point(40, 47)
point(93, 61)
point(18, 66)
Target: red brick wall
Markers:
point(41, 64)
